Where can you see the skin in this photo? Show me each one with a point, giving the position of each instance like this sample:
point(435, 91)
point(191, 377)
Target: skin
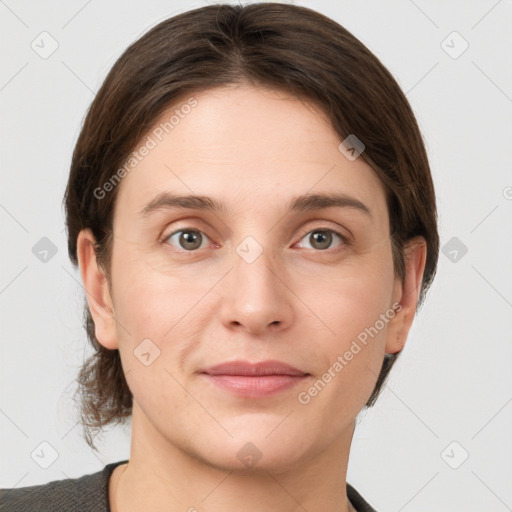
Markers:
point(252, 149)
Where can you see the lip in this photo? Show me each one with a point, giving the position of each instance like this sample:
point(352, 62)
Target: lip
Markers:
point(246, 368)
point(254, 380)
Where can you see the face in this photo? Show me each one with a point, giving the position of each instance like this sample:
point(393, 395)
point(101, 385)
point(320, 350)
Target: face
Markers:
point(270, 273)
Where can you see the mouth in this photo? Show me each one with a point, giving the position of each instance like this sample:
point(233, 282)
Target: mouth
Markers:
point(254, 380)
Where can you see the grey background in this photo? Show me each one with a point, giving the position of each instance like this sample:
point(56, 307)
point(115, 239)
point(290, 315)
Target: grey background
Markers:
point(453, 381)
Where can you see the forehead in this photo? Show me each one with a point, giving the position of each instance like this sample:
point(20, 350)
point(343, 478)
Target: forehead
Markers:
point(244, 144)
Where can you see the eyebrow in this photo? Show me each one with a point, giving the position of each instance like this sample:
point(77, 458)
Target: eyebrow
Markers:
point(304, 203)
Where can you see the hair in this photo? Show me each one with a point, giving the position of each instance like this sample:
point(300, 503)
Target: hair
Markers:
point(269, 45)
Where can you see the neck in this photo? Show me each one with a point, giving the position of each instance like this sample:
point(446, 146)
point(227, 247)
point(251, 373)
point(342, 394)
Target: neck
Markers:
point(160, 476)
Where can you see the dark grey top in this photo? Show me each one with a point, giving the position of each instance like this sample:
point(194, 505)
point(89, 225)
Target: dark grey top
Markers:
point(89, 493)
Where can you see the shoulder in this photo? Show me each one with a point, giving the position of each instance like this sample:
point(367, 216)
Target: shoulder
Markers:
point(84, 494)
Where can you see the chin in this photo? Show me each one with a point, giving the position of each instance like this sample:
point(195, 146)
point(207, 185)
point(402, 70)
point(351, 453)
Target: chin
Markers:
point(256, 451)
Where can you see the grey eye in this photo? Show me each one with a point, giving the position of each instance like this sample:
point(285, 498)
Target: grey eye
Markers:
point(321, 239)
point(188, 239)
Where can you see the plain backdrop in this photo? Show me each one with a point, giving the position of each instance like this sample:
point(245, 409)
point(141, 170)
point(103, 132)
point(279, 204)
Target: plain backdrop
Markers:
point(439, 438)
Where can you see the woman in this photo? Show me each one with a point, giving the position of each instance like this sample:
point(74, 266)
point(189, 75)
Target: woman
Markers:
point(251, 207)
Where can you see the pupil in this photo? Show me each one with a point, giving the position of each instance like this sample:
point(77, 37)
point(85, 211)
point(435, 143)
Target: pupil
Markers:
point(322, 238)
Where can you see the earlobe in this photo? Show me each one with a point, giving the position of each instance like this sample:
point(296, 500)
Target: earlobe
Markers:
point(97, 291)
point(406, 294)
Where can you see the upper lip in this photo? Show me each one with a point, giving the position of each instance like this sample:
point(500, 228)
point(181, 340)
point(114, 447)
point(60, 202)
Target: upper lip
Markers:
point(270, 367)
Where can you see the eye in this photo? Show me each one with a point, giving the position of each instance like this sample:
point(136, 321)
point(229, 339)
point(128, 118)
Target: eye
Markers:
point(188, 239)
point(321, 239)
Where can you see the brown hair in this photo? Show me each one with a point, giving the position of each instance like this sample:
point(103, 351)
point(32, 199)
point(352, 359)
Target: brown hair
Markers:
point(269, 45)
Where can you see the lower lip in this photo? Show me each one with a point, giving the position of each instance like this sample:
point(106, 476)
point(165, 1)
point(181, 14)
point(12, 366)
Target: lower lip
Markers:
point(255, 387)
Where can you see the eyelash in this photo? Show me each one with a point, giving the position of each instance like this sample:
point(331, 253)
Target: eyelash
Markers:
point(343, 238)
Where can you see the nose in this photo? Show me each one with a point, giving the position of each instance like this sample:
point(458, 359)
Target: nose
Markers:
point(257, 298)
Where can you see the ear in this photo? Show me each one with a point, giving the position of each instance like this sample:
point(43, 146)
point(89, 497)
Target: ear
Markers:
point(406, 294)
point(97, 291)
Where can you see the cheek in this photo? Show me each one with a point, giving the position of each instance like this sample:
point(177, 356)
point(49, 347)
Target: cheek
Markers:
point(356, 306)
point(164, 307)
point(353, 297)
point(154, 329)
point(141, 291)
point(351, 355)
